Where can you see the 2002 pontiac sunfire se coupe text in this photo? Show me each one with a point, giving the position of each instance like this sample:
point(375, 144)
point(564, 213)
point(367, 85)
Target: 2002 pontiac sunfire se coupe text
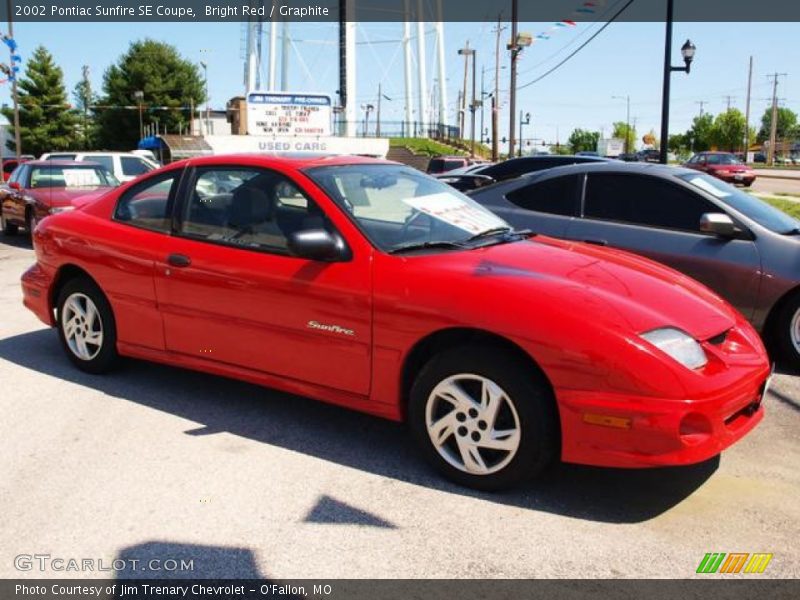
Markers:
point(370, 285)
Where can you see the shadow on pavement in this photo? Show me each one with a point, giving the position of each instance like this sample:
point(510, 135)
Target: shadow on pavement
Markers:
point(171, 560)
point(356, 440)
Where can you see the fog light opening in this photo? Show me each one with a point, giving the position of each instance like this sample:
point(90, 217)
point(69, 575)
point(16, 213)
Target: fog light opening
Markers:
point(695, 429)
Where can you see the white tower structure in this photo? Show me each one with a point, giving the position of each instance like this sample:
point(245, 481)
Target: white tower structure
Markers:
point(422, 80)
point(408, 59)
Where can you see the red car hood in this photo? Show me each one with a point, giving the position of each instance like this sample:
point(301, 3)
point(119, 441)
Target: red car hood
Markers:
point(59, 196)
point(613, 288)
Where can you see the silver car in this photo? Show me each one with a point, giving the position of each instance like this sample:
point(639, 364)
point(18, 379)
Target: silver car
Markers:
point(744, 249)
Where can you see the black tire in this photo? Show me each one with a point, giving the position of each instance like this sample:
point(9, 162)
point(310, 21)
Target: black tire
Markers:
point(525, 388)
point(29, 224)
point(8, 227)
point(787, 318)
point(102, 357)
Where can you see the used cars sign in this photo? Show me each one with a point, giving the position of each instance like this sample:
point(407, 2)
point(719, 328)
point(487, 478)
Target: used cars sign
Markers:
point(286, 113)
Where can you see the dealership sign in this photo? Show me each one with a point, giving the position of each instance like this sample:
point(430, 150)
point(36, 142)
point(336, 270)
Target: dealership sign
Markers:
point(288, 114)
point(229, 144)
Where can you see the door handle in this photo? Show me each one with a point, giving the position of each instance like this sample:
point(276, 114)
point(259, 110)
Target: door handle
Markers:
point(597, 242)
point(179, 260)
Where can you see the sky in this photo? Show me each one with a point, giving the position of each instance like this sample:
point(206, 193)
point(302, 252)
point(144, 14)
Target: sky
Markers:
point(625, 59)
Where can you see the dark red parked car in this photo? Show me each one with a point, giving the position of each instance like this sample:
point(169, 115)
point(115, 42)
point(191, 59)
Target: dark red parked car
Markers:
point(373, 286)
point(722, 165)
point(40, 188)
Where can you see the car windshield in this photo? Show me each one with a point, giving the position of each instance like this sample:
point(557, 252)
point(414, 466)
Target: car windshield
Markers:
point(723, 159)
point(77, 176)
point(750, 206)
point(400, 208)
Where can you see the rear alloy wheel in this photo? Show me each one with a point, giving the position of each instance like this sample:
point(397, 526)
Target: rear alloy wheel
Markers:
point(86, 326)
point(483, 418)
point(7, 227)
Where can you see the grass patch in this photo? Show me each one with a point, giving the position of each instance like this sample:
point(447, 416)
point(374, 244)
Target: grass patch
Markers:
point(790, 208)
point(424, 146)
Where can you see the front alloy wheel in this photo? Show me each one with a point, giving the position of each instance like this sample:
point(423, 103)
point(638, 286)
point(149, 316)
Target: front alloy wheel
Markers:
point(473, 424)
point(484, 417)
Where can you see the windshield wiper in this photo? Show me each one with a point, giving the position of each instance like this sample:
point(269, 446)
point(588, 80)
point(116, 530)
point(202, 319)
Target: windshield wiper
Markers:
point(507, 231)
point(424, 245)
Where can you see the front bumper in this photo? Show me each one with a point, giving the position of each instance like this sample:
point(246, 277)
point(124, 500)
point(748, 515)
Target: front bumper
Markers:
point(745, 179)
point(36, 293)
point(629, 431)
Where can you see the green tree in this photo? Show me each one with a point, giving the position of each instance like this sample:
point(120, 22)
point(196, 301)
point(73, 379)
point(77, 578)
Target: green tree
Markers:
point(701, 133)
point(46, 121)
point(728, 130)
point(166, 80)
point(85, 100)
point(582, 140)
point(787, 121)
point(623, 131)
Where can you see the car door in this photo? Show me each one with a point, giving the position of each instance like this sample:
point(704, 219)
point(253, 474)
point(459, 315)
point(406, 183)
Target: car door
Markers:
point(660, 219)
point(545, 205)
point(231, 292)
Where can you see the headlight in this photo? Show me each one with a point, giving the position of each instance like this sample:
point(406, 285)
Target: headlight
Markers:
point(59, 209)
point(679, 345)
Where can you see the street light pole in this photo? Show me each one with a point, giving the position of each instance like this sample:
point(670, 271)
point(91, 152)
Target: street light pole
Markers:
point(687, 50)
point(139, 95)
point(473, 106)
point(15, 96)
point(208, 107)
point(512, 92)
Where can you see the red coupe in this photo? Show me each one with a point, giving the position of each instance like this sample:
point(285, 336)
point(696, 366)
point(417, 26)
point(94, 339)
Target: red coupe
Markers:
point(373, 286)
point(40, 188)
point(722, 165)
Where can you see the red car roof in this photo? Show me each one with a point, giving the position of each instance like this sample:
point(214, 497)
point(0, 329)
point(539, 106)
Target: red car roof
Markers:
point(297, 161)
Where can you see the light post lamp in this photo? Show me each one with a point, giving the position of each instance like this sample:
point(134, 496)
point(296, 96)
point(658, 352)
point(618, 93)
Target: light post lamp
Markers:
point(468, 53)
point(627, 99)
point(208, 107)
point(521, 123)
point(139, 96)
point(687, 51)
point(367, 108)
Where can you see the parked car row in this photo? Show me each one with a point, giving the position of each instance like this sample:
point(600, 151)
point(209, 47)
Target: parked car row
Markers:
point(371, 285)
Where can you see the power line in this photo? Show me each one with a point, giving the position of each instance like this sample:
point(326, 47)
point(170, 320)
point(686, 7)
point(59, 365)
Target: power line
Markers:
point(579, 48)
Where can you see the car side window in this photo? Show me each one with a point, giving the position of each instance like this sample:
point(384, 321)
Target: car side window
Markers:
point(643, 200)
point(249, 208)
point(147, 205)
point(555, 196)
point(132, 166)
point(103, 160)
point(713, 159)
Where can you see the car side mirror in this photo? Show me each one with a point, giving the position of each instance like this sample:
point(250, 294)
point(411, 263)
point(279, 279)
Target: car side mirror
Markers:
point(318, 244)
point(719, 224)
point(14, 185)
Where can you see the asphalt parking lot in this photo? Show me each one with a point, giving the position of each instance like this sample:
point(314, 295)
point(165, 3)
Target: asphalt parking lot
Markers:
point(160, 463)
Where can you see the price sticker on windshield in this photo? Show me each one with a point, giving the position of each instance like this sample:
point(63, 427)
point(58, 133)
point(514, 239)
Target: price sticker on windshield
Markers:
point(81, 178)
point(456, 212)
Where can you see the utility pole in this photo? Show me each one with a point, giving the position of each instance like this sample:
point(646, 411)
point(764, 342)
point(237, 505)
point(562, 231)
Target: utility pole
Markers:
point(87, 97)
point(728, 100)
point(702, 103)
point(747, 111)
point(627, 99)
point(378, 114)
point(465, 52)
point(773, 130)
point(483, 95)
point(17, 141)
point(496, 96)
point(512, 92)
point(473, 107)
